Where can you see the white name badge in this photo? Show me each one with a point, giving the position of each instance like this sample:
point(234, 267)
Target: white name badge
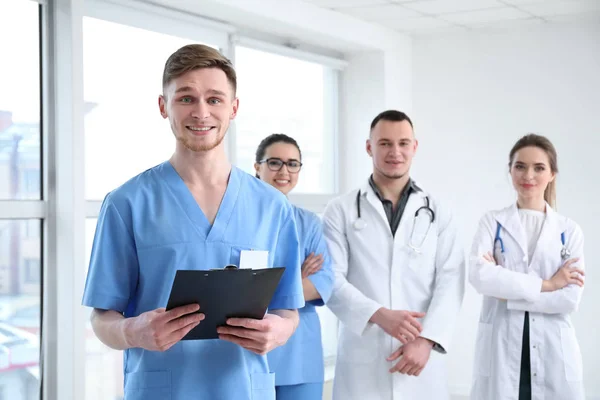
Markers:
point(254, 259)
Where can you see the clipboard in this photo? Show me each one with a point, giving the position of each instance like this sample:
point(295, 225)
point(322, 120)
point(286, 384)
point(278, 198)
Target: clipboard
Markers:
point(222, 294)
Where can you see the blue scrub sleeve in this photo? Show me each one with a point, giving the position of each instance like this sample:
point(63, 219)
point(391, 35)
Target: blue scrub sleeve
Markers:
point(113, 271)
point(323, 278)
point(289, 294)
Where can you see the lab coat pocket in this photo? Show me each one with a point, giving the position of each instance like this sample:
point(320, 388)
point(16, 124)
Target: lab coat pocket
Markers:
point(483, 350)
point(571, 355)
point(422, 264)
point(155, 385)
point(263, 386)
point(422, 260)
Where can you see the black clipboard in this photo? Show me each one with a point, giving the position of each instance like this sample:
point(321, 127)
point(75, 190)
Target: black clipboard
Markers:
point(222, 294)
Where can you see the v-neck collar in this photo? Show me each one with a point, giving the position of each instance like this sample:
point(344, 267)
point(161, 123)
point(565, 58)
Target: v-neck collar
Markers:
point(185, 199)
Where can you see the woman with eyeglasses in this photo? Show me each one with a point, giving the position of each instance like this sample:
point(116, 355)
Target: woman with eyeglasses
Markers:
point(298, 365)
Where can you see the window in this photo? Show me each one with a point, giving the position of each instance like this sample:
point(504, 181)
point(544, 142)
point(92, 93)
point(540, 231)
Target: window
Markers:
point(32, 271)
point(19, 311)
point(124, 131)
point(19, 101)
point(280, 94)
point(20, 179)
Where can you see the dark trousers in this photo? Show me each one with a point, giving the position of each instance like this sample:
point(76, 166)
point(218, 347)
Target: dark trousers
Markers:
point(525, 381)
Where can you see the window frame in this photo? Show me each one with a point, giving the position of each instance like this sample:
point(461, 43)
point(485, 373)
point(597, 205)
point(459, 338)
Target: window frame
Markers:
point(314, 202)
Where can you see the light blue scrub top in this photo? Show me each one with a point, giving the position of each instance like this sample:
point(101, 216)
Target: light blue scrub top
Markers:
point(300, 360)
point(152, 226)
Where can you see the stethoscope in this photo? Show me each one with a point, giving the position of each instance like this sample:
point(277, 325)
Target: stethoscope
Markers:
point(565, 254)
point(361, 224)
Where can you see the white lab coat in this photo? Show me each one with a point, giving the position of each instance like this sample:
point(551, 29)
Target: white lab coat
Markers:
point(556, 370)
point(374, 269)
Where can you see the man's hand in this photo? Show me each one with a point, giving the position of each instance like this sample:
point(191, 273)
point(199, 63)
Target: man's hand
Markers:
point(400, 324)
point(414, 357)
point(311, 264)
point(158, 330)
point(258, 335)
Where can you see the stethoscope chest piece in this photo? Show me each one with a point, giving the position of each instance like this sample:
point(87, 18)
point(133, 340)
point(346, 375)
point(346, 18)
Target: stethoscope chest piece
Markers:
point(565, 253)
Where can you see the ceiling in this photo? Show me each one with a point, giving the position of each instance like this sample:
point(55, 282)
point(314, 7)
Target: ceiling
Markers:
point(426, 17)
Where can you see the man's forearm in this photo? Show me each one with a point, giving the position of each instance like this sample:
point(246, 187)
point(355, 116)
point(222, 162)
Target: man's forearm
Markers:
point(109, 326)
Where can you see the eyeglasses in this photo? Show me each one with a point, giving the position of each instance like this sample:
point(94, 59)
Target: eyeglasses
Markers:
point(275, 164)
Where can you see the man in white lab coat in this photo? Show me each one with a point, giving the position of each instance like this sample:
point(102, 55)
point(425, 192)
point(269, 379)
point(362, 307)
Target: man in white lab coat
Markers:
point(399, 276)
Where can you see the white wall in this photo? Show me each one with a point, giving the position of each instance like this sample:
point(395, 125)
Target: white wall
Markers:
point(473, 96)
point(373, 82)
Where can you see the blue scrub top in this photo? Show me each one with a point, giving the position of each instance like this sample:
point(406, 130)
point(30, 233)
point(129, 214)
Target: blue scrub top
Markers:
point(152, 226)
point(300, 360)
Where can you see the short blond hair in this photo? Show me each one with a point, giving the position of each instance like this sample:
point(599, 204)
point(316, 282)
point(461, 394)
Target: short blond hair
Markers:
point(197, 56)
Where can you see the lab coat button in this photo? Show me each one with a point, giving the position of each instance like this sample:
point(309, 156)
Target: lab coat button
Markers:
point(524, 258)
point(534, 346)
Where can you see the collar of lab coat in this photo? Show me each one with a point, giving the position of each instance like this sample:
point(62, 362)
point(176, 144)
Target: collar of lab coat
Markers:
point(367, 193)
point(510, 221)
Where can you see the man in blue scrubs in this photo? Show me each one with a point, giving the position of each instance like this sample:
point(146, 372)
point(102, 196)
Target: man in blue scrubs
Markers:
point(194, 211)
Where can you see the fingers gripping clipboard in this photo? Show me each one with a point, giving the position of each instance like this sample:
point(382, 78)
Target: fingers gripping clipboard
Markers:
point(222, 294)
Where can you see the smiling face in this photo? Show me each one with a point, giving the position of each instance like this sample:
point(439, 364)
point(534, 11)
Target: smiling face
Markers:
point(199, 105)
point(531, 173)
point(392, 146)
point(284, 180)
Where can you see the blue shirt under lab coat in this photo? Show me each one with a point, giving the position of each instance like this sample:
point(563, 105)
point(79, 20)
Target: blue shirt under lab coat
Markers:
point(152, 226)
point(300, 360)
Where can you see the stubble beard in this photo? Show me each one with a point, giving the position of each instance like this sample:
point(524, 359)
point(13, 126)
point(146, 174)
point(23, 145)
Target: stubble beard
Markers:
point(201, 147)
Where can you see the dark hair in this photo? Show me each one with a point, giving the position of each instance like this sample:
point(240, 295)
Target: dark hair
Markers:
point(272, 139)
point(541, 142)
point(197, 56)
point(391, 115)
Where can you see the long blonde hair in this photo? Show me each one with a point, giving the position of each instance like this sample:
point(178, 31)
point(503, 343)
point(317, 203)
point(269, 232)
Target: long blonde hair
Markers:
point(541, 142)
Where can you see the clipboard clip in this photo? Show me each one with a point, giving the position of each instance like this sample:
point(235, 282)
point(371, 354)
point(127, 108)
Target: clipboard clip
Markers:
point(228, 267)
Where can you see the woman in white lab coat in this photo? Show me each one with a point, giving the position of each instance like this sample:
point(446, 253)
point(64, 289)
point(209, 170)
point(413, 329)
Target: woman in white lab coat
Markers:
point(527, 261)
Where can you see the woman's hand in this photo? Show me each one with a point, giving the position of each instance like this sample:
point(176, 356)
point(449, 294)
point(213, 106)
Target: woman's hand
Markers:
point(489, 257)
point(311, 264)
point(566, 275)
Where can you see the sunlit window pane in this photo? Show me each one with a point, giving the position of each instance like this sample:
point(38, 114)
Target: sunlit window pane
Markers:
point(20, 280)
point(285, 95)
point(124, 131)
point(19, 100)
